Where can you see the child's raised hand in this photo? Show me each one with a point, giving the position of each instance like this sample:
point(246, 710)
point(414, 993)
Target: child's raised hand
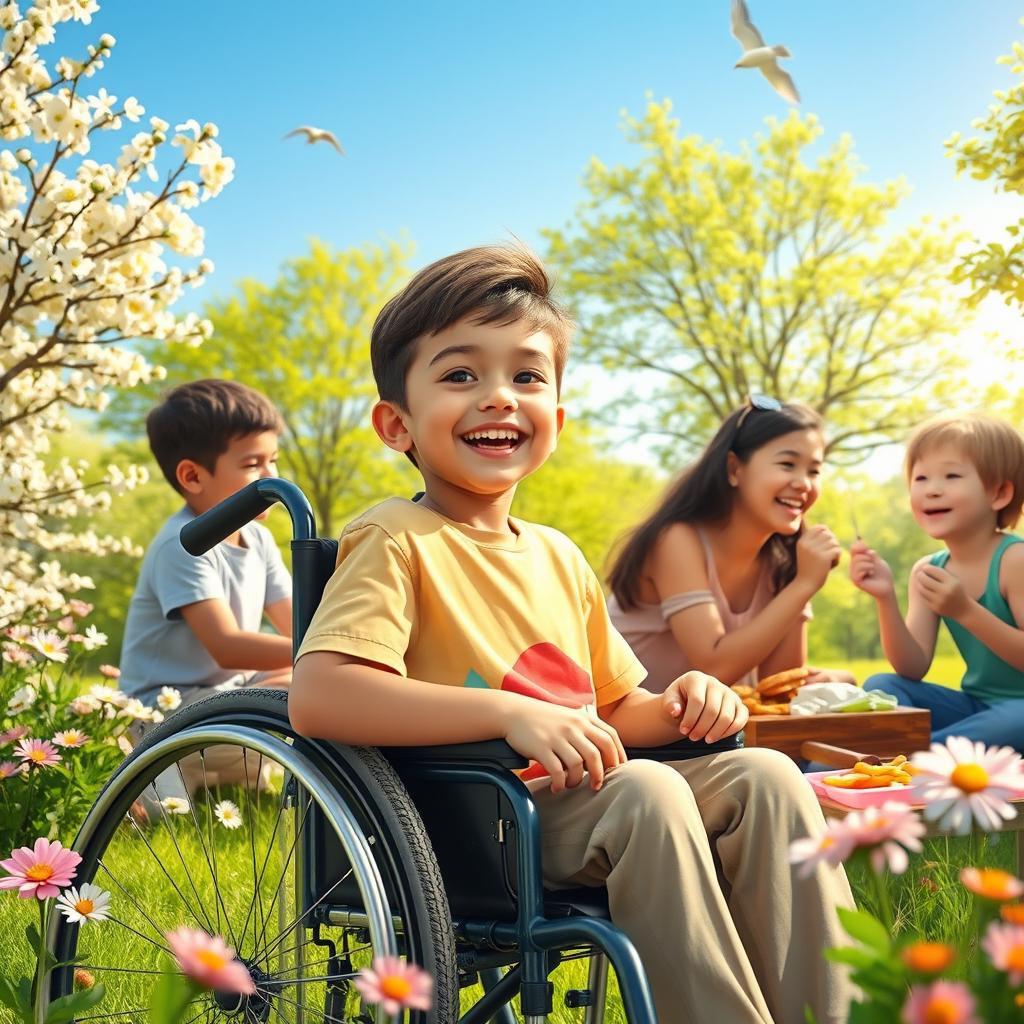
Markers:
point(566, 742)
point(941, 591)
point(706, 708)
point(869, 571)
point(817, 554)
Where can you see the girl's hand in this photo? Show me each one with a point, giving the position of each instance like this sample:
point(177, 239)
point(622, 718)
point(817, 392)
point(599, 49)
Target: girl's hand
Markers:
point(706, 708)
point(941, 591)
point(817, 554)
point(869, 571)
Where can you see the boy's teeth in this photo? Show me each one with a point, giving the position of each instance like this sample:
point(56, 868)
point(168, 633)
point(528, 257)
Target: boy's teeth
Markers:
point(790, 504)
point(492, 435)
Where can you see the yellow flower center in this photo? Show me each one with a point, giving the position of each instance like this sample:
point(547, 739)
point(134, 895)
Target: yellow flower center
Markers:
point(39, 873)
point(941, 1011)
point(928, 957)
point(394, 987)
point(85, 906)
point(969, 778)
point(208, 958)
point(1015, 959)
point(38, 755)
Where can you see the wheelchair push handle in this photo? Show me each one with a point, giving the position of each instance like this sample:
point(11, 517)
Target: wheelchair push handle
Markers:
point(209, 529)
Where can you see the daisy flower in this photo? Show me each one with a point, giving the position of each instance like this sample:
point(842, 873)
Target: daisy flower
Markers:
point(110, 671)
point(961, 780)
point(22, 699)
point(41, 870)
point(209, 961)
point(93, 639)
point(942, 1002)
point(1012, 912)
point(888, 832)
point(87, 903)
point(107, 694)
point(832, 847)
point(49, 644)
point(38, 753)
point(16, 732)
point(395, 985)
point(79, 608)
point(228, 814)
point(70, 738)
point(168, 699)
point(928, 957)
point(992, 884)
point(9, 768)
point(175, 805)
point(1004, 944)
point(85, 705)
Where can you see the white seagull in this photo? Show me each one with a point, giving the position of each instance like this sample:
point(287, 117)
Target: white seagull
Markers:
point(757, 55)
point(317, 135)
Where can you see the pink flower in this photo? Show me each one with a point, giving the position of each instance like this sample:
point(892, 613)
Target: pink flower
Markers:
point(942, 1002)
point(66, 624)
point(41, 871)
point(38, 753)
point(888, 831)
point(70, 738)
point(209, 961)
point(832, 847)
point(1004, 944)
point(49, 644)
point(395, 985)
point(9, 768)
point(110, 671)
point(14, 733)
point(79, 608)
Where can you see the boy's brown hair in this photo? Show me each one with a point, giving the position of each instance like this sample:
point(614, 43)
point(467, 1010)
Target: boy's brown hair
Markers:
point(995, 449)
point(496, 284)
point(198, 421)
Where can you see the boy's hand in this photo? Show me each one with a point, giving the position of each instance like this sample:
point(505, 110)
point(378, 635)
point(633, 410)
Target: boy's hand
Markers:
point(941, 591)
point(869, 571)
point(566, 742)
point(706, 708)
point(817, 554)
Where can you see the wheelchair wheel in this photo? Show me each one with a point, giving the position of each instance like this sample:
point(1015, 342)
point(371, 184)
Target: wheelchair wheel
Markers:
point(307, 857)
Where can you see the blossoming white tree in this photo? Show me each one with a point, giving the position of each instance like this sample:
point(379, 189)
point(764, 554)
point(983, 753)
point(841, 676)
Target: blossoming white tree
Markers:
point(82, 273)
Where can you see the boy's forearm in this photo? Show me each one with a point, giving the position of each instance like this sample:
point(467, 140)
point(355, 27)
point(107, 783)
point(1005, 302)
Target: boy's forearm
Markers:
point(1004, 640)
point(640, 720)
point(361, 705)
point(244, 651)
point(902, 650)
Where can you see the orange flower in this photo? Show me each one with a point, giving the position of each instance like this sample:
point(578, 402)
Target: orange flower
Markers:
point(1012, 912)
point(992, 883)
point(928, 957)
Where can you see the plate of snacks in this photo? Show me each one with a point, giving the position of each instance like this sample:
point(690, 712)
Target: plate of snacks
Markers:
point(867, 785)
point(772, 694)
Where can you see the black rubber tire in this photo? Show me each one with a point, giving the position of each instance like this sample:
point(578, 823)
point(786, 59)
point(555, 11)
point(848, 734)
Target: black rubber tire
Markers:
point(364, 775)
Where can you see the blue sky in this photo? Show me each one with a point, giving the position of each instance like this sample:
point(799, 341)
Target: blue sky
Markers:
point(465, 121)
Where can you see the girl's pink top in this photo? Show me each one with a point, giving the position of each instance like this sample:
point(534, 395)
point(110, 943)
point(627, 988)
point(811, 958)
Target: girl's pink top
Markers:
point(647, 630)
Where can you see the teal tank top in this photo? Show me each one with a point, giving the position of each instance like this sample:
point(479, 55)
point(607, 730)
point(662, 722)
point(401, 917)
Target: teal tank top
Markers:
point(988, 678)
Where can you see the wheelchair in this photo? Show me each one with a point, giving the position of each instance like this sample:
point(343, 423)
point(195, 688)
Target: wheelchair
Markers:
point(320, 857)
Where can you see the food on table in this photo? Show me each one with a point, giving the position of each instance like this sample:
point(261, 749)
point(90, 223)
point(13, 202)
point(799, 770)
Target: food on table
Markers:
point(772, 694)
point(897, 772)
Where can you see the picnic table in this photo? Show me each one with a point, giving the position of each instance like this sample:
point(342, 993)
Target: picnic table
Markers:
point(886, 733)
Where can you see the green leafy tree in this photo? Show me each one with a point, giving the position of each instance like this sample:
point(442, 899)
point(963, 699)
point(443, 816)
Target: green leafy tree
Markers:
point(304, 341)
point(700, 276)
point(996, 154)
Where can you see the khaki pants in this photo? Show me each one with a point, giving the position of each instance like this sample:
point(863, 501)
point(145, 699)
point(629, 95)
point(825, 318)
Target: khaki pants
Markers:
point(695, 858)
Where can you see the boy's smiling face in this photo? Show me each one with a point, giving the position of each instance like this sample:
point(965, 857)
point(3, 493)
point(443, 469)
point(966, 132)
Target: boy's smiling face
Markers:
point(482, 409)
point(948, 497)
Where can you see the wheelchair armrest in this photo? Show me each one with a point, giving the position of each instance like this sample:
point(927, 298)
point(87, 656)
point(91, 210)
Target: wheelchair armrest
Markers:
point(682, 750)
point(486, 752)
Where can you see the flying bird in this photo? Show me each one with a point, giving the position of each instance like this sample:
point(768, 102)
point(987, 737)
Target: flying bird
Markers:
point(757, 55)
point(317, 135)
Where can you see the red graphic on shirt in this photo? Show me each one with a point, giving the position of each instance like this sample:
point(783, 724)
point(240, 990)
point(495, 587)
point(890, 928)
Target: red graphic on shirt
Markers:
point(544, 672)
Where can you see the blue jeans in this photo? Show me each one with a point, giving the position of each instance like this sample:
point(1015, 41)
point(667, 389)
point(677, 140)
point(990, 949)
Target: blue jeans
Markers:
point(955, 713)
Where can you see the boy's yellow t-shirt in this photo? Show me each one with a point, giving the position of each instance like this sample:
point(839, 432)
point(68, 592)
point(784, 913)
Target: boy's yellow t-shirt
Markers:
point(446, 603)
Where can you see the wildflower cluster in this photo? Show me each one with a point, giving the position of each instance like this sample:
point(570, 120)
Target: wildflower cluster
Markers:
point(912, 979)
point(86, 226)
point(59, 740)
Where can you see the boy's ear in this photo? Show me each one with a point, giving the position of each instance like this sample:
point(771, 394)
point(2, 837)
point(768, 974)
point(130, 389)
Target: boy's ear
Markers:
point(389, 422)
point(1002, 496)
point(189, 476)
point(559, 419)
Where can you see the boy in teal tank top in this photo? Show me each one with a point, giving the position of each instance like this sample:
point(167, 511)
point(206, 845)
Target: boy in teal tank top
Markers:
point(966, 479)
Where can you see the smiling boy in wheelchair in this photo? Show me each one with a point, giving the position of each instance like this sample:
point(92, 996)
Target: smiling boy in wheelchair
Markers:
point(449, 621)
